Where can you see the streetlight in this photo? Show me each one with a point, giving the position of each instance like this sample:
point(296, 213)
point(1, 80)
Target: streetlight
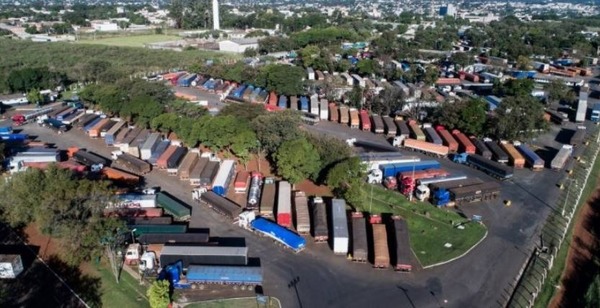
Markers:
point(133, 235)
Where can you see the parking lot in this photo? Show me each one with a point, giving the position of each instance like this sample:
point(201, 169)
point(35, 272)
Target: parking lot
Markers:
point(479, 279)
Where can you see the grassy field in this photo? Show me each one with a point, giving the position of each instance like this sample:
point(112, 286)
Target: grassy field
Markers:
point(249, 302)
point(430, 227)
point(131, 40)
point(128, 293)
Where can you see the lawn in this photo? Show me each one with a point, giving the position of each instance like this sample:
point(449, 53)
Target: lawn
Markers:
point(131, 40)
point(430, 228)
point(249, 302)
point(128, 293)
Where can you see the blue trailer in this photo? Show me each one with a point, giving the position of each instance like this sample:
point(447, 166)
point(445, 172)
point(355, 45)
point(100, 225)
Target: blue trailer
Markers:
point(393, 169)
point(278, 233)
point(186, 80)
point(254, 95)
point(14, 137)
point(91, 124)
point(5, 130)
point(532, 159)
point(595, 116)
point(197, 276)
point(211, 85)
point(283, 104)
point(239, 91)
point(304, 103)
point(63, 115)
point(160, 148)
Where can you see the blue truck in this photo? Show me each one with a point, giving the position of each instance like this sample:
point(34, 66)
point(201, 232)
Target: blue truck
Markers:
point(532, 159)
point(278, 233)
point(283, 104)
point(393, 169)
point(199, 276)
point(304, 103)
point(186, 80)
point(595, 116)
point(55, 125)
point(14, 137)
point(5, 130)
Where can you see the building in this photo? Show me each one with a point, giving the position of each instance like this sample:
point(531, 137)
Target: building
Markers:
point(448, 10)
point(104, 26)
point(238, 45)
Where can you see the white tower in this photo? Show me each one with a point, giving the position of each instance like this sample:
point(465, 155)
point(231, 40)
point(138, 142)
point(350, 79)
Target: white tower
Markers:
point(215, 7)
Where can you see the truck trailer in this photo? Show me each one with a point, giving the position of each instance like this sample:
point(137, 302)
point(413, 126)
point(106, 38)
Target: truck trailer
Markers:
point(256, 181)
point(302, 214)
point(514, 157)
point(267, 200)
point(416, 131)
point(354, 118)
point(284, 207)
point(221, 204)
point(465, 144)
point(131, 164)
point(381, 256)
point(174, 238)
point(447, 139)
point(497, 153)
point(223, 178)
point(204, 255)
point(200, 276)
point(390, 127)
point(491, 167)
point(187, 165)
point(403, 253)
point(178, 209)
point(481, 148)
point(340, 227)
point(377, 124)
point(320, 230)
point(150, 146)
point(532, 159)
point(174, 160)
point(426, 147)
point(561, 157)
point(359, 238)
point(474, 193)
point(197, 171)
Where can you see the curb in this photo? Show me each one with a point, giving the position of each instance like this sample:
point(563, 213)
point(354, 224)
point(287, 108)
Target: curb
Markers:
point(464, 254)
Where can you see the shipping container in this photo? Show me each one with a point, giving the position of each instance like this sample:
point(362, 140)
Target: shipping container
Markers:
point(365, 121)
point(448, 139)
point(160, 149)
point(284, 208)
point(561, 157)
point(344, 116)
point(390, 126)
point(110, 136)
point(532, 159)
point(302, 214)
point(150, 145)
point(175, 160)
point(221, 204)
point(197, 171)
point(223, 178)
point(333, 113)
point(403, 129)
point(340, 227)
point(381, 256)
point(178, 209)
point(240, 185)
point(416, 132)
point(377, 124)
point(187, 165)
point(132, 164)
point(162, 160)
point(481, 148)
point(204, 255)
point(165, 220)
point(514, 157)
point(359, 238)
point(267, 200)
point(465, 145)
point(319, 219)
point(403, 253)
point(354, 118)
point(497, 153)
point(208, 174)
point(431, 135)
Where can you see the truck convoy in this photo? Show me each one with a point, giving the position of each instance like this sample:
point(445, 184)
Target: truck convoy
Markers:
point(284, 207)
point(320, 230)
point(359, 238)
point(340, 227)
point(302, 214)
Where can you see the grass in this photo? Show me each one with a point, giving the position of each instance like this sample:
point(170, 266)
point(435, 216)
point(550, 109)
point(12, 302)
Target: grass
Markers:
point(249, 302)
point(131, 40)
point(554, 275)
point(430, 228)
point(128, 293)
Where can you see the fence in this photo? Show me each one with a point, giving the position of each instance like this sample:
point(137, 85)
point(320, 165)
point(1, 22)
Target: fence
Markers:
point(531, 280)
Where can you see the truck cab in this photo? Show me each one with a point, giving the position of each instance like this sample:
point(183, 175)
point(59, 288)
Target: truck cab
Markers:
point(398, 141)
point(197, 193)
point(132, 254)
point(460, 158)
point(422, 192)
point(375, 176)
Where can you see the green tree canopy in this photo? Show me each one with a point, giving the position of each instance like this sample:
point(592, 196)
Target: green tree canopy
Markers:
point(514, 87)
point(331, 151)
point(158, 294)
point(469, 117)
point(347, 178)
point(296, 160)
point(518, 117)
point(272, 129)
point(558, 91)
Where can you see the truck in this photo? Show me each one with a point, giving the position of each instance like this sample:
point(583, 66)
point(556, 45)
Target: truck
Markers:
point(514, 157)
point(324, 109)
point(481, 148)
point(267, 200)
point(197, 171)
point(474, 193)
point(490, 167)
point(578, 137)
point(447, 139)
point(393, 169)
point(219, 204)
point(403, 130)
point(130, 163)
point(319, 211)
point(438, 190)
point(359, 238)
point(161, 163)
point(109, 137)
point(58, 126)
point(150, 145)
point(403, 253)
point(377, 124)
point(532, 159)
point(408, 179)
point(5, 130)
point(11, 265)
point(390, 126)
point(415, 131)
point(497, 153)
point(465, 144)
point(365, 121)
point(381, 256)
point(223, 178)
point(187, 165)
point(120, 177)
point(204, 255)
point(256, 179)
point(333, 113)
point(178, 209)
point(344, 116)
point(172, 238)
point(284, 207)
point(340, 227)
point(595, 116)
point(561, 157)
point(15, 138)
point(426, 147)
point(354, 118)
point(135, 146)
point(302, 214)
point(201, 276)
point(208, 174)
point(240, 184)
point(431, 135)
point(160, 149)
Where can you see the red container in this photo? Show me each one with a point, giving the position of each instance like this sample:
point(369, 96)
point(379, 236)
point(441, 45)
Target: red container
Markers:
point(164, 157)
point(449, 141)
point(365, 121)
point(466, 146)
point(241, 182)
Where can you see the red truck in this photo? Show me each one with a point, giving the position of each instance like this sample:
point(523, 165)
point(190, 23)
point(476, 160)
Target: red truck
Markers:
point(408, 179)
point(466, 146)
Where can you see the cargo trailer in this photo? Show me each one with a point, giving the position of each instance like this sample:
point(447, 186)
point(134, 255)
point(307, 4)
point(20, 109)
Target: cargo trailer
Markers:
point(365, 121)
point(359, 238)
point(354, 118)
point(64, 114)
point(256, 179)
point(426, 147)
point(173, 238)
point(174, 160)
point(340, 227)
point(403, 253)
point(280, 234)
point(284, 207)
point(416, 132)
point(333, 113)
point(161, 229)
point(302, 214)
point(324, 109)
point(514, 157)
point(319, 219)
point(110, 136)
point(160, 149)
point(90, 159)
point(208, 174)
point(133, 212)
point(283, 102)
point(440, 196)
point(532, 159)
point(104, 129)
point(475, 193)
point(223, 178)
point(465, 144)
point(187, 165)
point(497, 153)
point(132, 164)
point(491, 167)
point(178, 209)
point(165, 220)
point(344, 116)
point(390, 126)
point(294, 102)
point(150, 145)
point(161, 163)
point(403, 129)
point(381, 256)
point(120, 177)
point(204, 255)
point(431, 135)
point(481, 148)
point(73, 118)
point(221, 204)
point(11, 266)
point(578, 137)
point(94, 131)
point(118, 142)
point(130, 138)
point(267, 199)
point(314, 104)
point(561, 157)
point(395, 168)
point(240, 185)
point(447, 139)
point(199, 276)
point(197, 171)
point(133, 201)
point(304, 104)
point(137, 143)
point(377, 124)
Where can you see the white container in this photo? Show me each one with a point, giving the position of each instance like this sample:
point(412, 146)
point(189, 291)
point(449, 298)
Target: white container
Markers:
point(340, 227)
point(10, 266)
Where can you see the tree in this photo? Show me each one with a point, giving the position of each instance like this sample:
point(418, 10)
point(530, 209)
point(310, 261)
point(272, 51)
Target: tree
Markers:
point(297, 160)
point(250, 52)
point(355, 96)
point(35, 97)
point(523, 62)
point(273, 129)
point(514, 87)
point(331, 151)
point(518, 117)
point(347, 179)
point(368, 67)
point(309, 55)
point(158, 294)
point(247, 112)
point(166, 122)
point(469, 117)
point(558, 91)
point(461, 58)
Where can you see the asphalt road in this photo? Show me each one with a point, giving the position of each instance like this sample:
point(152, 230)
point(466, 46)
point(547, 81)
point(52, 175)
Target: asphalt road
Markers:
point(480, 279)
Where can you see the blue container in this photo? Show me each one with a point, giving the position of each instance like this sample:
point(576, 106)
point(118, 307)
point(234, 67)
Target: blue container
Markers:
point(160, 148)
point(394, 169)
point(248, 275)
point(279, 233)
point(283, 104)
point(4, 130)
point(14, 137)
point(532, 159)
point(304, 103)
point(240, 90)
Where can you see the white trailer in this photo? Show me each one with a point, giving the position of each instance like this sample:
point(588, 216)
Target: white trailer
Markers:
point(134, 201)
point(561, 157)
point(314, 104)
point(311, 73)
point(149, 146)
point(223, 177)
point(582, 106)
point(10, 266)
point(340, 227)
point(324, 108)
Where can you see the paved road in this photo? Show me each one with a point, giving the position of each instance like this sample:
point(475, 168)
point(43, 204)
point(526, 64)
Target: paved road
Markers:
point(477, 280)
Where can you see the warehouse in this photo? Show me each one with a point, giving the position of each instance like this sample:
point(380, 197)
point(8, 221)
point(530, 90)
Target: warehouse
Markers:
point(238, 45)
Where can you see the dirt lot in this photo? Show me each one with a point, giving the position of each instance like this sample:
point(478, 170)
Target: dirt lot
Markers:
point(580, 267)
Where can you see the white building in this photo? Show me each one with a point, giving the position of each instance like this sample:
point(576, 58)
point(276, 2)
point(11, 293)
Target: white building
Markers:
point(238, 45)
point(14, 99)
point(104, 26)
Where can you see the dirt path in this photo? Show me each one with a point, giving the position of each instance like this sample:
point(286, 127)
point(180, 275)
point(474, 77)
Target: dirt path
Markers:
point(580, 268)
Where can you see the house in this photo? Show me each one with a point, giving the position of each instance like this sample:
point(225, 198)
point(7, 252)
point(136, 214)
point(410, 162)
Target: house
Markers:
point(104, 26)
point(238, 45)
